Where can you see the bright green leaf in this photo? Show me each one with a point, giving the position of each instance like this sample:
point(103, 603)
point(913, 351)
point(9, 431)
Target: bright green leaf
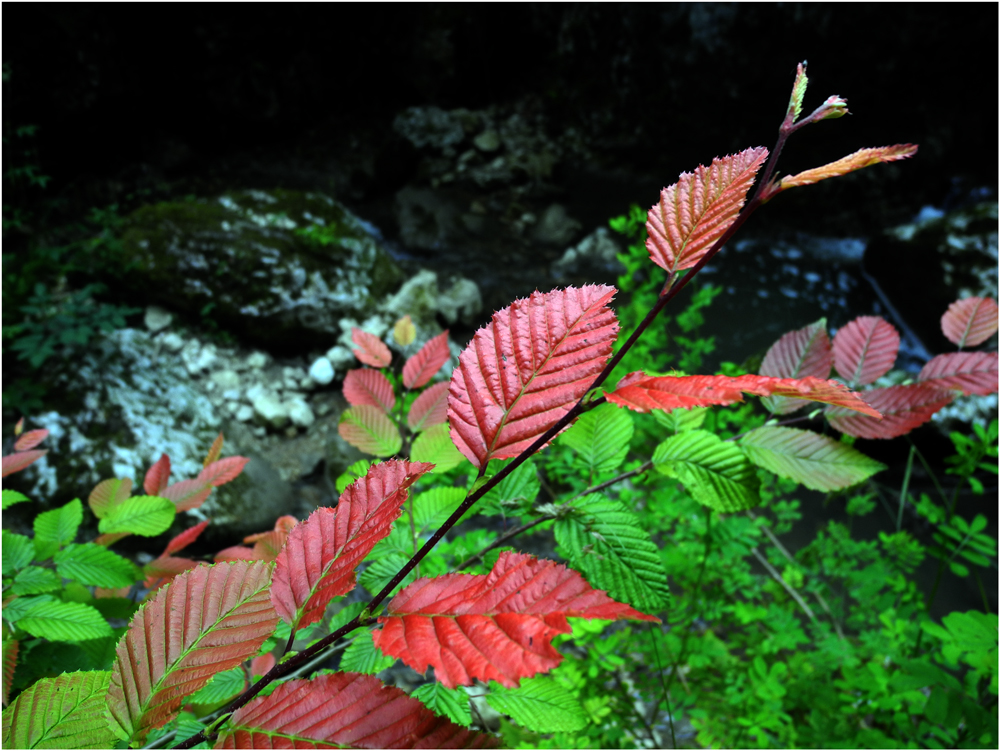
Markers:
point(59, 525)
point(714, 472)
point(362, 656)
point(369, 429)
point(452, 703)
point(431, 508)
point(10, 497)
point(434, 445)
point(601, 438)
point(146, 515)
point(64, 621)
point(680, 420)
point(224, 685)
point(17, 552)
point(514, 494)
point(34, 580)
point(94, 564)
point(539, 704)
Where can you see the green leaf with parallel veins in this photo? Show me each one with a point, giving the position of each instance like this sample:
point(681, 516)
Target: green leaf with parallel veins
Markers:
point(94, 564)
point(34, 580)
point(10, 497)
point(513, 494)
point(381, 570)
point(60, 524)
point(434, 445)
point(64, 621)
point(17, 552)
point(355, 472)
point(362, 656)
point(452, 703)
point(600, 437)
point(715, 472)
point(539, 704)
point(603, 540)
point(224, 685)
point(679, 420)
point(816, 461)
point(371, 430)
point(145, 515)
point(431, 508)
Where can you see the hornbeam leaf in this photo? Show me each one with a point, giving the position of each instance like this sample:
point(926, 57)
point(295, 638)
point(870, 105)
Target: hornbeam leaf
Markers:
point(601, 438)
point(34, 580)
point(10, 650)
point(371, 350)
point(367, 386)
point(17, 551)
point(497, 626)
point(59, 525)
point(696, 211)
point(865, 349)
point(68, 711)
point(434, 446)
point(969, 372)
point(797, 354)
point(223, 686)
point(903, 408)
point(343, 710)
point(144, 515)
point(404, 332)
point(525, 370)
point(818, 462)
point(362, 656)
point(208, 620)
point(214, 451)
point(109, 493)
point(185, 538)
point(96, 565)
point(30, 439)
point(970, 321)
point(539, 704)
point(10, 497)
point(425, 364)
point(858, 160)
point(798, 93)
point(714, 472)
point(222, 471)
point(452, 703)
point(16, 462)
point(369, 428)
point(430, 408)
point(319, 558)
point(189, 494)
point(158, 476)
point(63, 621)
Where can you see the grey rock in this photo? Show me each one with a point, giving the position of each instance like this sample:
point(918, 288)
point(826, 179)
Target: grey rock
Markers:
point(258, 360)
point(340, 357)
point(226, 379)
point(300, 414)
point(596, 252)
point(555, 226)
point(157, 318)
point(461, 302)
point(321, 371)
point(430, 126)
point(488, 140)
point(269, 410)
point(171, 342)
point(244, 413)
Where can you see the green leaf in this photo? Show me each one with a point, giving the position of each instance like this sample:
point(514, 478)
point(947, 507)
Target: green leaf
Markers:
point(452, 703)
point(936, 708)
point(369, 429)
point(514, 494)
point(10, 497)
point(94, 564)
point(223, 686)
point(434, 445)
point(601, 438)
point(431, 508)
point(816, 461)
point(539, 704)
point(17, 552)
point(680, 420)
point(356, 471)
point(714, 472)
point(34, 580)
point(64, 621)
point(604, 541)
point(146, 515)
point(68, 711)
point(362, 656)
point(381, 570)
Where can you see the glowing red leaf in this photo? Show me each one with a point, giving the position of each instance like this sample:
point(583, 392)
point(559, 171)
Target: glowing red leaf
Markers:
point(158, 476)
point(527, 368)
point(493, 627)
point(10, 649)
point(187, 494)
point(209, 619)
point(903, 408)
point(798, 354)
point(30, 439)
point(970, 321)
point(425, 364)
point(109, 493)
point(371, 350)
point(343, 710)
point(319, 558)
point(643, 393)
point(429, 409)
point(16, 462)
point(695, 211)
point(969, 372)
point(186, 537)
point(367, 386)
point(865, 349)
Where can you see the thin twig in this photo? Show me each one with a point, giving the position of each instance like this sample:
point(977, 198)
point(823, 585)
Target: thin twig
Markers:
point(776, 575)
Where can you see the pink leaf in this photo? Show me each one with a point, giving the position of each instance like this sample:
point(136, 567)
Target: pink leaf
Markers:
point(371, 350)
point(429, 409)
point(236, 553)
point(17, 462)
point(223, 470)
point(903, 408)
point(969, 372)
point(187, 494)
point(494, 627)
point(158, 477)
point(161, 571)
point(970, 321)
point(30, 439)
point(343, 710)
point(319, 558)
point(107, 494)
point(525, 370)
point(797, 354)
point(865, 349)
point(370, 429)
point(367, 386)
point(425, 364)
point(696, 211)
point(185, 538)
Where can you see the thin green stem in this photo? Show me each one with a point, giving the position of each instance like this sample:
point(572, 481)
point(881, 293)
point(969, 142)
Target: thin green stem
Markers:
point(906, 487)
point(666, 696)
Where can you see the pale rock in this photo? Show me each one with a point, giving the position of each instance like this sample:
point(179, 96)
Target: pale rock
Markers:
point(321, 371)
point(226, 379)
point(172, 342)
point(488, 140)
point(340, 357)
point(462, 302)
point(258, 360)
point(157, 318)
point(232, 395)
point(300, 413)
point(244, 413)
point(270, 411)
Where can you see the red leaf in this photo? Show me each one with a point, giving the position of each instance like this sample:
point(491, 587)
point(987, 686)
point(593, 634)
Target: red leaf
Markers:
point(858, 160)
point(343, 710)
point(903, 408)
point(262, 664)
point(214, 451)
point(525, 370)
point(10, 649)
point(187, 494)
point(367, 386)
point(30, 439)
point(107, 494)
point(797, 354)
point(371, 350)
point(370, 429)
point(222, 471)
point(865, 349)
point(969, 372)
point(158, 477)
point(494, 627)
point(970, 321)
point(209, 619)
point(161, 571)
point(319, 558)
point(236, 553)
point(424, 365)
point(429, 409)
point(16, 462)
point(282, 525)
point(186, 537)
point(696, 211)
point(642, 393)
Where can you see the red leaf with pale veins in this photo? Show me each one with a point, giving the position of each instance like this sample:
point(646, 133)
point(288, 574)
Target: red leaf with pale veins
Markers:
point(969, 372)
point(494, 627)
point(30, 439)
point(187, 494)
point(186, 537)
point(527, 368)
point(429, 409)
point(262, 664)
point(343, 710)
point(696, 211)
point(161, 571)
point(970, 321)
point(371, 350)
point(367, 386)
point(107, 494)
point(425, 364)
point(10, 649)
point(903, 408)
point(319, 558)
point(223, 470)
point(865, 349)
point(16, 462)
point(236, 553)
point(158, 476)
point(797, 354)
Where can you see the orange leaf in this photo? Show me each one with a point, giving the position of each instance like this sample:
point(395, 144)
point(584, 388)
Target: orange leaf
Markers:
point(429, 409)
point(214, 451)
point(222, 471)
point(185, 538)
point(858, 160)
point(16, 462)
point(158, 476)
point(107, 494)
